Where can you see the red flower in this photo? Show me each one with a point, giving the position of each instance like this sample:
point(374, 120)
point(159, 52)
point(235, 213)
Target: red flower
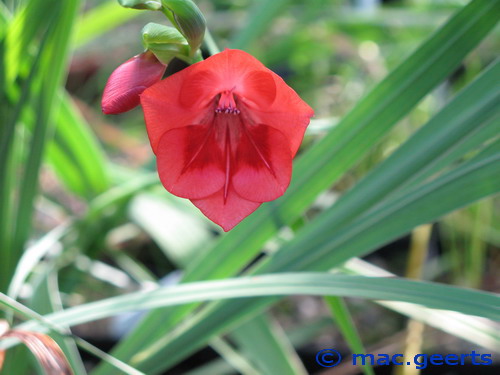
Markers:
point(129, 80)
point(224, 132)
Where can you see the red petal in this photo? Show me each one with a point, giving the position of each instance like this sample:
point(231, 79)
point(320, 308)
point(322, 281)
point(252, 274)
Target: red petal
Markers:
point(190, 163)
point(129, 80)
point(258, 89)
point(225, 180)
point(163, 110)
point(288, 113)
point(180, 99)
point(226, 212)
point(198, 89)
point(263, 164)
point(230, 66)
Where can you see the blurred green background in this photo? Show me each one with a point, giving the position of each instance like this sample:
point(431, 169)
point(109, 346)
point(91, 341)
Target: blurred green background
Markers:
point(84, 218)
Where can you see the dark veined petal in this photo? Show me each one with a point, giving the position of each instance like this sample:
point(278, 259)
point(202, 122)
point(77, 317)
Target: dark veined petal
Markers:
point(129, 80)
point(181, 99)
point(263, 164)
point(226, 211)
point(190, 163)
point(170, 103)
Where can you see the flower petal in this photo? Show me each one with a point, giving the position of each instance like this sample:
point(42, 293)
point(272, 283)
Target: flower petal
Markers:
point(181, 99)
point(258, 89)
point(226, 212)
point(225, 131)
point(129, 80)
point(263, 164)
point(190, 163)
point(163, 108)
point(231, 66)
point(289, 113)
point(198, 89)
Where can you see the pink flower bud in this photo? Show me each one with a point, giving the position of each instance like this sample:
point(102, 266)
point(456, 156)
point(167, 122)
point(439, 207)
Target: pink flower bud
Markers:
point(129, 80)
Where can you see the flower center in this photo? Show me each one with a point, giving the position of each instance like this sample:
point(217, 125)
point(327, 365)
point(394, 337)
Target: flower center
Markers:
point(227, 103)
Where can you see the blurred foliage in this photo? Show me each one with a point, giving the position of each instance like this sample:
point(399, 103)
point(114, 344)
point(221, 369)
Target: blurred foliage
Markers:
point(406, 132)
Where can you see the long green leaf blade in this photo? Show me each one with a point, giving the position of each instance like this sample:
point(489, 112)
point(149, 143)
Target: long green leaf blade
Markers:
point(265, 343)
point(428, 294)
point(343, 319)
point(75, 154)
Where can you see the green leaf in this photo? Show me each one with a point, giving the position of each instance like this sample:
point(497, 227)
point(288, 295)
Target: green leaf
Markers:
point(26, 25)
point(415, 159)
point(178, 233)
point(233, 357)
point(53, 68)
point(75, 154)
point(433, 295)
point(342, 317)
point(422, 204)
point(43, 85)
point(31, 256)
point(473, 329)
point(264, 342)
point(9, 150)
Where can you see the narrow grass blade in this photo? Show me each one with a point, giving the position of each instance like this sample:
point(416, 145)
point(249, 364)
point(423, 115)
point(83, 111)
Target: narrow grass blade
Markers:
point(476, 330)
point(266, 345)
point(233, 357)
point(53, 69)
point(343, 319)
point(75, 154)
point(433, 295)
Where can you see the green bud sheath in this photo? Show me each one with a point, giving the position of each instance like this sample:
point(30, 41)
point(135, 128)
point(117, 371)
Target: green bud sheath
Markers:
point(156, 33)
point(188, 19)
point(165, 42)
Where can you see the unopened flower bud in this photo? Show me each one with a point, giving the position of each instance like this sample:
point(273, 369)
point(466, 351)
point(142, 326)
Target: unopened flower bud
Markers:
point(129, 80)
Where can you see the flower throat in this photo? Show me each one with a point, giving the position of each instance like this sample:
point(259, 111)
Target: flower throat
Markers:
point(227, 104)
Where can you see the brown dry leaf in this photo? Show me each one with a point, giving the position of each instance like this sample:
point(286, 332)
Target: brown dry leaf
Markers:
point(43, 347)
point(4, 327)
